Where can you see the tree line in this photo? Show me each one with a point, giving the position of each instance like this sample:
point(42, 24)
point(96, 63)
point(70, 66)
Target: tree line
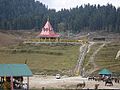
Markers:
point(31, 14)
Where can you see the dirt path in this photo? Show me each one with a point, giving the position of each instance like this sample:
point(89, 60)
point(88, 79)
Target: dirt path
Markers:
point(66, 83)
point(118, 55)
point(83, 52)
point(84, 49)
point(89, 46)
point(92, 60)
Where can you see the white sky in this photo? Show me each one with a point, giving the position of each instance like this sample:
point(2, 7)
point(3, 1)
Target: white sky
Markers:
point(59, 4)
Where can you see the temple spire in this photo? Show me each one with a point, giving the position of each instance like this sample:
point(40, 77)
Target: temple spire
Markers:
point(47, 31)
point(48, 19)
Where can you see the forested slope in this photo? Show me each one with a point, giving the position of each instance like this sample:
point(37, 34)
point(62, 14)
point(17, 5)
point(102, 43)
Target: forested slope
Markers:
point(31, 14)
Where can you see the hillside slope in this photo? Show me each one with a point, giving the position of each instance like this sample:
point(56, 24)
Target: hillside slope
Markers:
point(11, 37)
point(104, 58)
point(7, 39)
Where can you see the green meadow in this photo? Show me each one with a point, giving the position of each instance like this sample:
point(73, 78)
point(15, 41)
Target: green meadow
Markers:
point(52, 59)
point(105, 58)
point(42, 59)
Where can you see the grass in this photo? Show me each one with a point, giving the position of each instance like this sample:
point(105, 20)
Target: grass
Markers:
point(42, 59)
point(106, 57)
point(87, 57)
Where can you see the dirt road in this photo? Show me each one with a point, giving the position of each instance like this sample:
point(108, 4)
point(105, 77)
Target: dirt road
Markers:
point(83, 51)
point(92, 60)
point(66, 83)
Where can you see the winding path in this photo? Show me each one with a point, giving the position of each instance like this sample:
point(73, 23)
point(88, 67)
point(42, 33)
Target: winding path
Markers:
point(84, 49)
point(92, 60)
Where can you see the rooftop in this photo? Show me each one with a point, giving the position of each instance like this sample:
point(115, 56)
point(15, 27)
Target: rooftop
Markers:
point(15, 70)
point(47, 31)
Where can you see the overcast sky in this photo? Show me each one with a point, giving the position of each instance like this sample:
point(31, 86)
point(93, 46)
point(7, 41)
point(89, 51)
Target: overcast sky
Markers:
point(59, 4)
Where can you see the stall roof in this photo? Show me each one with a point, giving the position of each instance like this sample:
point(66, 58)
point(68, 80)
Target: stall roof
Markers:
point(105, 71)
point(15, 70)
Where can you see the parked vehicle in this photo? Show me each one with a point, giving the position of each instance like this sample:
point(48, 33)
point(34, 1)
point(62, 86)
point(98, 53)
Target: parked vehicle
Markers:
point(58, 76)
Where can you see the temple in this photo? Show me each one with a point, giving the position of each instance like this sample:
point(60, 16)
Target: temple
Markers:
point(48, 34)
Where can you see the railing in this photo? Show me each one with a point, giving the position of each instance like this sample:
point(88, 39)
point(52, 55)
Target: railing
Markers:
point(53, 40)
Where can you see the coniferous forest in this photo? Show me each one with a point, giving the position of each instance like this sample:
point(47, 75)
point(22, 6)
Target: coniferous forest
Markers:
point(31, 14)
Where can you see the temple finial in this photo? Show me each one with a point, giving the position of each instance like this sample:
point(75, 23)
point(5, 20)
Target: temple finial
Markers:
point(48, 19)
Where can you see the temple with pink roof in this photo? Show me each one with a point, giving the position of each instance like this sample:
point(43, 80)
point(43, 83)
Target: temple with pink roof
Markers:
point(48, 33)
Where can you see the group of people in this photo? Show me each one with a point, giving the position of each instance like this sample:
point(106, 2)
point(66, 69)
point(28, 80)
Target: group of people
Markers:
point(5, 83)
point(107, 79)
point(18, 83)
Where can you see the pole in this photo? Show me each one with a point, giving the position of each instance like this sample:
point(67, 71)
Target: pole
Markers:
point(28, 83)
point(11, 82)
point(4, 84)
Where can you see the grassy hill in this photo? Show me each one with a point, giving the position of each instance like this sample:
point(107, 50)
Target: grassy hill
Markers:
point(13, 37)
point(7, 39)
point(44, 59)
point(105, 58)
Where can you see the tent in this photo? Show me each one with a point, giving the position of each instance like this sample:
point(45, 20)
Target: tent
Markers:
point(105, 72)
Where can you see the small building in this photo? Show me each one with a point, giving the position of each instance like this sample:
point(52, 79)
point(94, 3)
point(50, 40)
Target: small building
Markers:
point(12, 76)
point(48, 34)
point(99, 39)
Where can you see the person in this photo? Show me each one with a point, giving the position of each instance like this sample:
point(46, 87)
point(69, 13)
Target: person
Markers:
point(25, 86)
point(109, 81)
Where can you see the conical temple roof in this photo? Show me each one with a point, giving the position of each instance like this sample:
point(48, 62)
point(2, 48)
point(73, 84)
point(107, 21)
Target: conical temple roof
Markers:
point(48, 26)
point(47, 31)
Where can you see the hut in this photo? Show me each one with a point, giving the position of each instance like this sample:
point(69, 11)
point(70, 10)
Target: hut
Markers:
point(12, 76)
point(48, 34)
